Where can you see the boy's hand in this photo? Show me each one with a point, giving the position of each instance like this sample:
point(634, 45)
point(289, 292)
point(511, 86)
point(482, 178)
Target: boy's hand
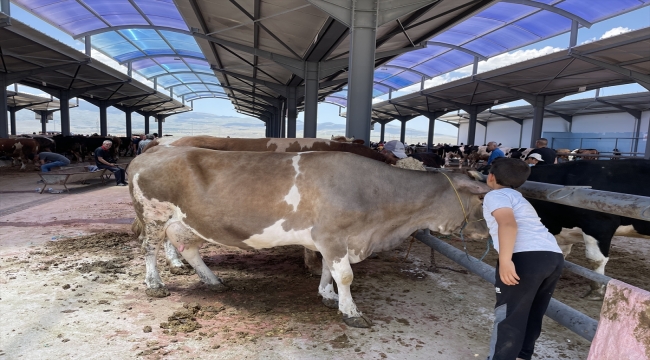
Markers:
point(507, 273)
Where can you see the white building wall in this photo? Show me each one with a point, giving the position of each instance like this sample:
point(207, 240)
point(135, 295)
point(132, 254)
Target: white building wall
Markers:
point(614, 122)
point(507, 132)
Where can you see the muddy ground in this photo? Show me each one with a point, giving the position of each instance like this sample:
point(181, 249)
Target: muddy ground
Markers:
point(71, 286)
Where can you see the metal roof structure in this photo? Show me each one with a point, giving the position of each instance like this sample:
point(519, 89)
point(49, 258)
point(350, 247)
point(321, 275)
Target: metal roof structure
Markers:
point(36, 60)
point(634, 104)
point(17, 101)
point(617, 60)
point(150, 36)
point(262, 51)
point(502, 27)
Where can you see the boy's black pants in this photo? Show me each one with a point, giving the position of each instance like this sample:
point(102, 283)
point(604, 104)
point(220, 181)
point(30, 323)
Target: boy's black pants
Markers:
point(520, 308)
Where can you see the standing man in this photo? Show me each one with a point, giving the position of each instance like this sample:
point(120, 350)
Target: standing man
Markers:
point(48, 160)
point(548, 155)
point(104, 160)
point(496, 152)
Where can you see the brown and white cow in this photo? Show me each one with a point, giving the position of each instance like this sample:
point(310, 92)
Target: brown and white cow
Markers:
point(18, 149)
point(352, 140)
point(324, 201)
point(291, 145)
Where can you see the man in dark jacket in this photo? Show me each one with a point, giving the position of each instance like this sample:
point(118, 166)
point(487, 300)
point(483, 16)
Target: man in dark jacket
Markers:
point(104, 160)
point(548, 155)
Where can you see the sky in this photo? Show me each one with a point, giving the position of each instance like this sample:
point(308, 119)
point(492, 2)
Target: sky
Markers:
point(328, 113)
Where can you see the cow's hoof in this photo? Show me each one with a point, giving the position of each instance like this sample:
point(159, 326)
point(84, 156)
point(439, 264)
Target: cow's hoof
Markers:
point(357, 322)
point(331, 303)
point(593, 295)
point(220, 287)
point(181, 270)
point(160, 292)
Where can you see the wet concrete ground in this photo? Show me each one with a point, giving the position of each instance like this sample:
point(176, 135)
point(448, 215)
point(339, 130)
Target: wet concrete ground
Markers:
point(71, 286)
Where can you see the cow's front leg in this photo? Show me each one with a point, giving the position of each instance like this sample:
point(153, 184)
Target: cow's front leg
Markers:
point(174, 261)
point(326, 288)
point(598, 262)
point(339, 266)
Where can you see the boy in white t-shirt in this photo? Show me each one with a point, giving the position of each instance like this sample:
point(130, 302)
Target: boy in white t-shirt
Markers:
point(530, 262)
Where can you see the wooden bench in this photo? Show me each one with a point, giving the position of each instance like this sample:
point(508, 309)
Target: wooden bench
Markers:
point(70, 175)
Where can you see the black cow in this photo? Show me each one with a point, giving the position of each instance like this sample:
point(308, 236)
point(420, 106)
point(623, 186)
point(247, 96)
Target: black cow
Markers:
point(597, 229)
point(429, 159)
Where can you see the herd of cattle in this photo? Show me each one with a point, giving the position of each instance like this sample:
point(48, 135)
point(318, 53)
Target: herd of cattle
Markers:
point(325, 196)
point(77, 147)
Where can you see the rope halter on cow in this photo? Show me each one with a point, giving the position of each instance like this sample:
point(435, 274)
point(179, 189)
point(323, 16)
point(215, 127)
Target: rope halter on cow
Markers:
point(465, 222)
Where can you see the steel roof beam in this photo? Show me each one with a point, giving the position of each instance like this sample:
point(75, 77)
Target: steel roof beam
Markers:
point(640, 78)
point(254, 103)
point(567, 118)
point(552, 9)
point(279, 88)
point(174, 55)
point(139, 107)
point(13, 77)
point(530, 98)
point(421, 112)
point(405, 69)
point(129, 27)
point(634, 112)
point(178, 72)
point(455, 47)
point(515, 119)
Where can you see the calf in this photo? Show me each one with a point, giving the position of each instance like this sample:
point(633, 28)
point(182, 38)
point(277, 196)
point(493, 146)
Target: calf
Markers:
point(324, 201)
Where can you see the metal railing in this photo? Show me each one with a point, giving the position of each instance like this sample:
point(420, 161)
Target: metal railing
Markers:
point(633, 206)
point(633, 145)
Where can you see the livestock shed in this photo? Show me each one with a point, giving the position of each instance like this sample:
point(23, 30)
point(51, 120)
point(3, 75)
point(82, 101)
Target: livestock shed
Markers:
point(76, 282)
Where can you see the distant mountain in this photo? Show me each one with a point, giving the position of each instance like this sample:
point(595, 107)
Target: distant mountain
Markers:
point(85, 120)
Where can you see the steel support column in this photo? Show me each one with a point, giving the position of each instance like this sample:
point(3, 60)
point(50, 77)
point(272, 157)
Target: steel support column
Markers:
point(4, 120)
point(103, 119)
point(311, 99)
point(383, 132)
point(573, 40)
point(160, 121)
point(647, 143)
point(471, 131)
point(12, 120)
point(432, 126)
point(146, 124)
point(363, 33)
point(88, 46)
point(538, 119)
point(43, 122)
point(292, 111)
point(127, 114)
point(64, 100)
point(402, 131)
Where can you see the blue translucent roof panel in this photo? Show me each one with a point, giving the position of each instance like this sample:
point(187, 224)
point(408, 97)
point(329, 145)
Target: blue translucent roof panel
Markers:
point(384, 73)
point(208, 78)
point(162, 13)
point(197, 87)
point(182, 90)
point(214, 88)
point(500, 28)
point(169, 50)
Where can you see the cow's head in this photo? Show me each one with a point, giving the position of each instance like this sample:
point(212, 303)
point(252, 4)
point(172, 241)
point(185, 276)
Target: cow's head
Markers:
point(471, 222)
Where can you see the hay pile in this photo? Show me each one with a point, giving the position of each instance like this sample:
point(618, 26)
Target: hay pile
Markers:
point(410, 164)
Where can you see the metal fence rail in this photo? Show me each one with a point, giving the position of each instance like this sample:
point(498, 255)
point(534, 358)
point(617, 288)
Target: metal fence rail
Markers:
point(632, 206)
point(567, 316)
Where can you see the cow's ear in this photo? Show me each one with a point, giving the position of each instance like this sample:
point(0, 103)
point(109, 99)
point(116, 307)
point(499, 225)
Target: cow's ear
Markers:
point(473, 186)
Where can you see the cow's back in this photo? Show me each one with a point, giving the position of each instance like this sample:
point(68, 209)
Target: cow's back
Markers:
point(630, 176)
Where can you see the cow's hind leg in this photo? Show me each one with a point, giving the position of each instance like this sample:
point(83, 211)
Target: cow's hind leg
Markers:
point(174, 261)
point(326, 288)
point(151, 238)
point(188, 244)
point(339, 265)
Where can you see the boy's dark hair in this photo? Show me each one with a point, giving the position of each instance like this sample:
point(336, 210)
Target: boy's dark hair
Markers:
point(510, 172)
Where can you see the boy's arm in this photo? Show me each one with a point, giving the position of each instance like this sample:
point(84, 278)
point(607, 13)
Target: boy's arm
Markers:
point(507, 236)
